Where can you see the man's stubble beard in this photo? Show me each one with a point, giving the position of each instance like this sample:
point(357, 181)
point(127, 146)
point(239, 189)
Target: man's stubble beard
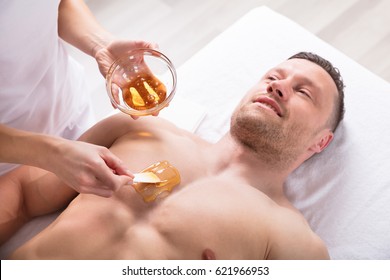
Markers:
point(278, 145)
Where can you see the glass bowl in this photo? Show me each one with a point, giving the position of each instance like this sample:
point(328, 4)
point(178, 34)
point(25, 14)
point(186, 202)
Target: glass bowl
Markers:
point(142, 82)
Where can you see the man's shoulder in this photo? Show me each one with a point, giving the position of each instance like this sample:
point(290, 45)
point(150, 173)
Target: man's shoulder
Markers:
point(292, 238)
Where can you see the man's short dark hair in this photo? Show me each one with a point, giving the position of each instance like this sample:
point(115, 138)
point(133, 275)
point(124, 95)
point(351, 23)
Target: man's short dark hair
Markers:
point(339, 110)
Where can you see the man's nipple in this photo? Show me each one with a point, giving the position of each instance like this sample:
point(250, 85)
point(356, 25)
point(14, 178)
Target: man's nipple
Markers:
point(208, 254)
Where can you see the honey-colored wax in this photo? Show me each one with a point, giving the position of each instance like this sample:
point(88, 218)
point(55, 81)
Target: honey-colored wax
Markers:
point(169, 176)
point(144, 92)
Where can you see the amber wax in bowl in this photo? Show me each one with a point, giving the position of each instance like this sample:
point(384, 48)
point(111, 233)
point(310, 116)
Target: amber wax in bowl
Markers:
point(142, 82)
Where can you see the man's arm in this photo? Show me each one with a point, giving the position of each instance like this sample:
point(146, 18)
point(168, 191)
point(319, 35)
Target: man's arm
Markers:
point(28, 192)
point(108, 130)
point(292, 239)
point(305, 246)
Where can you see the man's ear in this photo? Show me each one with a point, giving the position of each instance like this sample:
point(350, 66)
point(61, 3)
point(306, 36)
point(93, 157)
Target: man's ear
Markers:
point(322, 142)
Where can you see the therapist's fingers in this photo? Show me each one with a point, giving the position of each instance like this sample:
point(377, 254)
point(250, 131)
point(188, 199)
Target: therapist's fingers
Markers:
point(134, 117)
point(106, 187)
point(115, 164)
point(143, 44)
point(106, 183)
point(112, 175)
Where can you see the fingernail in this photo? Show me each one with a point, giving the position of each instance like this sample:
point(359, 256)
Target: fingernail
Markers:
point(128, 172)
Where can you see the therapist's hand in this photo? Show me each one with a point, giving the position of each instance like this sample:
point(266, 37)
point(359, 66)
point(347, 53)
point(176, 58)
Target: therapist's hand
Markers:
point(89, 168)
point(106, 56)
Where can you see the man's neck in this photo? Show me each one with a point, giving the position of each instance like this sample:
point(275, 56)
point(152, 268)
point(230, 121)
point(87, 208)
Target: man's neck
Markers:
point(233, 158)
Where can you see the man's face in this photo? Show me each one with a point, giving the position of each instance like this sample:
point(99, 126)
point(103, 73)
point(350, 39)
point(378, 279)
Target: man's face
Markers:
point(283, 114)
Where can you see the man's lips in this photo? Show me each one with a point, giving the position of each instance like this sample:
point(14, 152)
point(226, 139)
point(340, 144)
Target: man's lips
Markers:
point(270, 104)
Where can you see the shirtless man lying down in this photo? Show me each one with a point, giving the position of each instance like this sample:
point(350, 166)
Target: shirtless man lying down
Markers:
point(230, 202)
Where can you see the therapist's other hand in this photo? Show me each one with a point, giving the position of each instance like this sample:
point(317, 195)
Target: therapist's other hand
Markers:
point(106, 56)
point(89, 168)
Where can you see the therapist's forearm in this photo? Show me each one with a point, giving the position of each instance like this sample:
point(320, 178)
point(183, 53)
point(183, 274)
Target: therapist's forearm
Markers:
point(22, 147)
point(79, 27)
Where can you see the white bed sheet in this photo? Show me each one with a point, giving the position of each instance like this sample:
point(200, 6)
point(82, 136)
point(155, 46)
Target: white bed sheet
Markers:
point(345, 192)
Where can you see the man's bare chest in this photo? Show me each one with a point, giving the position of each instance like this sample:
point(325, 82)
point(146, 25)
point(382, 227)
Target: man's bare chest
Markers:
point(208, 214)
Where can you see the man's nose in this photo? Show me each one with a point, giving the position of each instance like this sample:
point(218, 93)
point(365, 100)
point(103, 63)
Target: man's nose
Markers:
point(278, 89)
